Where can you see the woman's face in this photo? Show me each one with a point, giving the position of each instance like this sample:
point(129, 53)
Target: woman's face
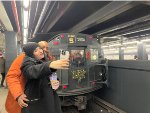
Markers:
point(38, 53)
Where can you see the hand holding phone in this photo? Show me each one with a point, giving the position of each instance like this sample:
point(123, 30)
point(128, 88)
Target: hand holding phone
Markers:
point(64, 54)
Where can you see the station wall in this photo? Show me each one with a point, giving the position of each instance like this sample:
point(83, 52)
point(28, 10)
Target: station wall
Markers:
point(129, 86)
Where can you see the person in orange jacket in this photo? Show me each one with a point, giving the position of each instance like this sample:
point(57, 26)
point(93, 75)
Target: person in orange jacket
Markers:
point(16, 83)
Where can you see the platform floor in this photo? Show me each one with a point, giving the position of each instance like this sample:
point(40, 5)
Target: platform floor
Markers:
point(3, 94)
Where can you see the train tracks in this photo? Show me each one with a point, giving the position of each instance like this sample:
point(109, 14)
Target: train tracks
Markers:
point(101, 106)
point(95, 105)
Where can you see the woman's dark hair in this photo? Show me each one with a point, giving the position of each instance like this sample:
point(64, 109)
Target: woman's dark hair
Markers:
point(29, 48)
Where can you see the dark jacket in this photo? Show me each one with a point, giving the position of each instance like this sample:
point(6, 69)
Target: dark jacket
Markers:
point(43, 99)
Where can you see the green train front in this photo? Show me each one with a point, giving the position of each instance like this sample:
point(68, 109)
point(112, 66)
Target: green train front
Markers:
point(85, 73)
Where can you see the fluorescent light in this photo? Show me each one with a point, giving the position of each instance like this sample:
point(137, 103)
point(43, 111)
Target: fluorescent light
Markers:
point(126, 43)
point(26, 3)
point(110, 49)
point(26, 16)
point(146, 40)
point(123, 48)
point(24, 40)
point(114, 37)
point(105, 46)
point(133, 47)
point(114, 45)
point(142, 35)
point(136, 36)
point(25, 32)
point(137, 31)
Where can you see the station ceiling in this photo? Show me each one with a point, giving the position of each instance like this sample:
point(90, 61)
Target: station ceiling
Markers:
point(99, 18)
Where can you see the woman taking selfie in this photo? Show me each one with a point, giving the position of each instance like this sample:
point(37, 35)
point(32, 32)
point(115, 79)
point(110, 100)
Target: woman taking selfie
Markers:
point(39, 88)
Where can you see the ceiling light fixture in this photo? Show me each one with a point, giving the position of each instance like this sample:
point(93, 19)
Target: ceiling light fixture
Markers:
point(26, 3)
point(26, 16)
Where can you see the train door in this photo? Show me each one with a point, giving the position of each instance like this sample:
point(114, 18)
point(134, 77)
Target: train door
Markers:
point(77, 72)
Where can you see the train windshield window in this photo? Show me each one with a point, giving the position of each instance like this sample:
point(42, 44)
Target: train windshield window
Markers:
point(77, 58)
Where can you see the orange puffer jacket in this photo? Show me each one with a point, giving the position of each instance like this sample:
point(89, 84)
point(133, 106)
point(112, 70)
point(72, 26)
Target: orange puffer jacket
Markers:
point(16, 83)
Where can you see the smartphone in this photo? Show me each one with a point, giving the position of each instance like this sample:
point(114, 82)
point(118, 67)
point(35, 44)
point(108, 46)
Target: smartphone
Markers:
point(64, 54)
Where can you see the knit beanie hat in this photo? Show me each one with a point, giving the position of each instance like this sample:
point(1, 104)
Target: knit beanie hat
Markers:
point(29, 48)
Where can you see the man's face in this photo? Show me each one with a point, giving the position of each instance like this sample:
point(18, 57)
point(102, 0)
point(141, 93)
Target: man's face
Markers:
point(44, 46)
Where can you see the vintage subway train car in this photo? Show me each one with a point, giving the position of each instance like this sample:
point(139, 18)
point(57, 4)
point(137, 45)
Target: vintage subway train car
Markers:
point(87, 71)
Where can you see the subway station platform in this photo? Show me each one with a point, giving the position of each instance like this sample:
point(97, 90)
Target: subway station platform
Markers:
point(3, 94)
